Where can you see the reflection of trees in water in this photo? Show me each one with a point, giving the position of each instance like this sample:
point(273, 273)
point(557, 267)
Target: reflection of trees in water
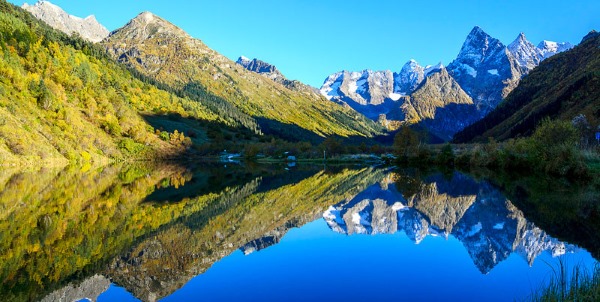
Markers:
point(58, 225)
point(254, 222)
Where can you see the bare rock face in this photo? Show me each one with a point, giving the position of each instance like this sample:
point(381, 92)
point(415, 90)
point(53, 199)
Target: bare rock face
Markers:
point(90, 289)
point(271, 72)
point(88, 28)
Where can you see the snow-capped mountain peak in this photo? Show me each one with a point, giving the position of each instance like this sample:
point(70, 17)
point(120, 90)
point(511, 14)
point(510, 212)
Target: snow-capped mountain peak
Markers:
point(550, 48)
point(433, 68)
point(526, 54)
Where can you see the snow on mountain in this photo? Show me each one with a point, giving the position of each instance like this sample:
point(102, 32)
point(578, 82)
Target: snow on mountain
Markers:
point(88, 28)
point(479, 54)
point(526, 54)
point(549, 48)
point(529, 56)
point(409, 78)
point(429, 69)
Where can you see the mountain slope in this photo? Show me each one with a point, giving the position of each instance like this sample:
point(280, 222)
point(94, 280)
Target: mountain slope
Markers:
point(163, 51)
point(376, 93)
point(271, 72)
point(62, 100)
point(440, 105)
point(88, 28)
point(562, 87)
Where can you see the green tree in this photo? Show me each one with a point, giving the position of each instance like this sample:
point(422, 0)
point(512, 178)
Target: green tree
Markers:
point(406, 143)
point(446, 156)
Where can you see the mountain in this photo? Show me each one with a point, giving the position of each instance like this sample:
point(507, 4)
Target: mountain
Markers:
point(262, 67)
point(88, 28)
point(485, 69)
point(271, 72)
point(376, 93)
point(529, 56)
point(563, 86)
point(162, 51)
point(63, 100)
point(409, 78)
point(549, 48)
point(483, 73)
point(440, 105)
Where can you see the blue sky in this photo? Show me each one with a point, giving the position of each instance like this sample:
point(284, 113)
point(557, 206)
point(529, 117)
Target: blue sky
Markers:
point(310, 39)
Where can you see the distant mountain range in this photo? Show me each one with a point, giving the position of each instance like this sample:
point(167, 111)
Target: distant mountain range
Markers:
point(254, 94)
point(485, 69)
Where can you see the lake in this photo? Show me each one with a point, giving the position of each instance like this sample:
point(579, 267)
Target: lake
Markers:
point(218, 231)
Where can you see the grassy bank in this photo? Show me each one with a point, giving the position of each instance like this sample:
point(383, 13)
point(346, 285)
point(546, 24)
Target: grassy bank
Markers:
point(554, 149)
point(580, 285)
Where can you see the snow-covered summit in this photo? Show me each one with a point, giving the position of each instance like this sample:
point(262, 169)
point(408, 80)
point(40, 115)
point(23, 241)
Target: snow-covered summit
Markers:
point(550, 48)
point(526, 54)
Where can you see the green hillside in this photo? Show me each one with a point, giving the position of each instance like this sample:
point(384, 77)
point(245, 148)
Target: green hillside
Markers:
point(62, 99)
point(162, 51)
point(561, 87)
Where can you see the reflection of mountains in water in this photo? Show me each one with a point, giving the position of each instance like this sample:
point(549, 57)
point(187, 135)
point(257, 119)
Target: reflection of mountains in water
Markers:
point(489, 226)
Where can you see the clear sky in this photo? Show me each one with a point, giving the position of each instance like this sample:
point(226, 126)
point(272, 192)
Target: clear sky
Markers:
point(310, 39)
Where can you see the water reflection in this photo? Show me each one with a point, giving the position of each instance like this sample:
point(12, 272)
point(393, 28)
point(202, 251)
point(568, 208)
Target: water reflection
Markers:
point(476, 213)
point(150, 230)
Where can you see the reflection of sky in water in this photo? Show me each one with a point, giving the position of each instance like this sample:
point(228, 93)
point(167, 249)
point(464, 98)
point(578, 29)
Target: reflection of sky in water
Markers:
point(314, 263)
point(452, 239)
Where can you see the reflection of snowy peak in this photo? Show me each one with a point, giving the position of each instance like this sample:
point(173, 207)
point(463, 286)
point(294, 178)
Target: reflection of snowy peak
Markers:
point(477, 214)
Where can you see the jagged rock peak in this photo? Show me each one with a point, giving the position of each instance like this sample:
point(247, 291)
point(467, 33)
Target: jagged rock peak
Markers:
point(256, 65)
point(147, 25)
point(88, 28)
point(526, 54)
point(477, 47)
point(243, 61)
point(429, 69)
point(592, 34)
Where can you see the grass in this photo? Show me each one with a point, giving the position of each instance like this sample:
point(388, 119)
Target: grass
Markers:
point(579, 285)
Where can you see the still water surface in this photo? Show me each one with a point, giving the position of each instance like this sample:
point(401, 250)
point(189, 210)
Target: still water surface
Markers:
point(223, 232)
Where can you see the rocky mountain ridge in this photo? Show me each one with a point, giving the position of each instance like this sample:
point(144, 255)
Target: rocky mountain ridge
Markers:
point(485, 69)
point(88, 28)
point(271, 72)
point(561, 87)
point(160, 50)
